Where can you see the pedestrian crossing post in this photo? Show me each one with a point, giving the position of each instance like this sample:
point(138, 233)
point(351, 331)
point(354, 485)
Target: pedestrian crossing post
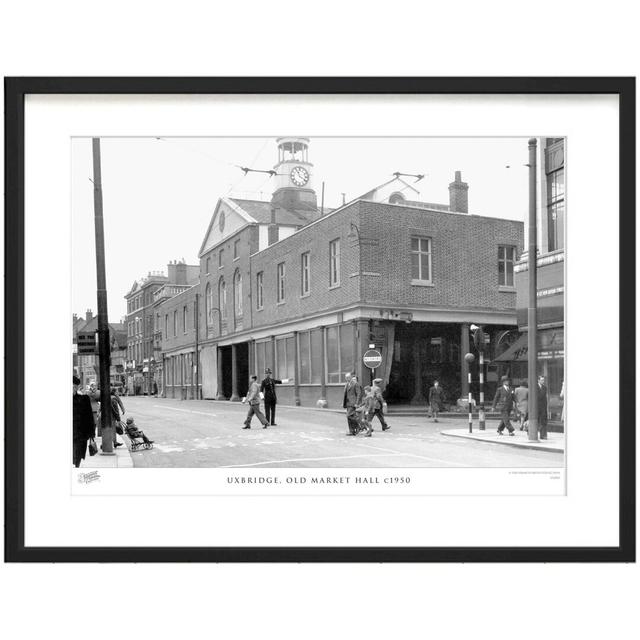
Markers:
point(481, 418)
point(470, 406)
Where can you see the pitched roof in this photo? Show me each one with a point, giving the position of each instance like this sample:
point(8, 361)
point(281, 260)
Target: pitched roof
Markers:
point(260, 211)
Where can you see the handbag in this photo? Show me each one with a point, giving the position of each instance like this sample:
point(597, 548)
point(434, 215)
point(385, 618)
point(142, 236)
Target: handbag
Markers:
point(119, 428)
point(93, 447)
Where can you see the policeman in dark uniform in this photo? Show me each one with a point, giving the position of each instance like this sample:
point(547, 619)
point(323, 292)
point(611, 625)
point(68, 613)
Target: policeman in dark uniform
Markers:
point(268, 388)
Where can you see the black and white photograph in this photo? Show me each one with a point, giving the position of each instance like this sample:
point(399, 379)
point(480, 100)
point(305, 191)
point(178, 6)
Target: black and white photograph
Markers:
point(318, 302)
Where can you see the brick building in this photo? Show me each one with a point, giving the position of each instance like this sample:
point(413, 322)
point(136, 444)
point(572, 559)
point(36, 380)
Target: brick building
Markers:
point(142, 361)
point(304, 291)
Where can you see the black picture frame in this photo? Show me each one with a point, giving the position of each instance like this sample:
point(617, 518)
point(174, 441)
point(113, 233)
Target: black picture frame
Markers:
point(15, 91)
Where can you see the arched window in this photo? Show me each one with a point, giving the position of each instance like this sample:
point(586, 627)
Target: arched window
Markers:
point(237, 299)
point(222, 301)
point(237, 293)
point(208, 304)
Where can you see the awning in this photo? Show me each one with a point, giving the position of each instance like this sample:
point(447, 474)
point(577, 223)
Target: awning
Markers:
point(517, 352)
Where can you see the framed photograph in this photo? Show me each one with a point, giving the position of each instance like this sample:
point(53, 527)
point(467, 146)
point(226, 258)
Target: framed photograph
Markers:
point(302, 321)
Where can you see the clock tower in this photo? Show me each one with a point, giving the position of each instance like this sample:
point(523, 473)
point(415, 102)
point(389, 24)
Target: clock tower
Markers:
point(294, 176)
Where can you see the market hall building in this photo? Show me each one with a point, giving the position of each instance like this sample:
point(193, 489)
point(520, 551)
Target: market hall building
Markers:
point(287, 285)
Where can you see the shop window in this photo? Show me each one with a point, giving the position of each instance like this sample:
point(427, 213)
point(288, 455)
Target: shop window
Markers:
point(340, 352)
point(285, 358)
point(310, 355)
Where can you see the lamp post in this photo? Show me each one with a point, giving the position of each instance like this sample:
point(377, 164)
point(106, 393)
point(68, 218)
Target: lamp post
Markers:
point(532, 315)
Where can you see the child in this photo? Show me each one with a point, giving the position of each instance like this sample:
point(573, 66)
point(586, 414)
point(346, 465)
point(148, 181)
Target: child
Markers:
point(367, 410)
point(134, 432)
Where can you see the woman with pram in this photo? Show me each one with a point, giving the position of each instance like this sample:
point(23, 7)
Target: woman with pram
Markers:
point(366, 411)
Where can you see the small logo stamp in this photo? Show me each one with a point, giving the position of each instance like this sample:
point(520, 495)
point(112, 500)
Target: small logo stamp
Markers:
point(86, 478)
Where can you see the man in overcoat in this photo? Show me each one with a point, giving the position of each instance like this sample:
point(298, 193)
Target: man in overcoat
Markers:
point(352, 399)
point(436, 399)
point(84, 426)
point(542, 407)
point(503, 400)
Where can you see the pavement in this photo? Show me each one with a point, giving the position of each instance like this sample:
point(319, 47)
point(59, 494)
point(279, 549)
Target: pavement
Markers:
point(121, 460)
point(554, 441)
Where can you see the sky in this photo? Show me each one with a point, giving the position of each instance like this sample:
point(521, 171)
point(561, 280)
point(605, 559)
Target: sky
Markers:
point(159, 193)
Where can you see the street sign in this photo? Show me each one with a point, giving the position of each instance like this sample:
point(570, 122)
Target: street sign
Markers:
point(372, 359)
point(87, 344)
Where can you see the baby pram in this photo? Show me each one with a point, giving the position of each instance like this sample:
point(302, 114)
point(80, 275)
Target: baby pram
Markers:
point(135, 439)
point(364, 424)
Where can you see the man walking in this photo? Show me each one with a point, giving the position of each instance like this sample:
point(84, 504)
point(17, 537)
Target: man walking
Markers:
point(504, 401)
point(268, 388)
point(352, 399)
point(378, 404)
point(521, 398)
point(542, 408)
point(253, 398)
point(436, 398)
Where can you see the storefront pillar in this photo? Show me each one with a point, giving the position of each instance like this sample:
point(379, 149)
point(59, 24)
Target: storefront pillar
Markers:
point(234, 374)
point(322, 400)
point(296, 371)
point(219, 394)
point(419, 356)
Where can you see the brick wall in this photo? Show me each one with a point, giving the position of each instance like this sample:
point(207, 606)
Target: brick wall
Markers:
point(176, 304)
point(464, 257)
point(322, 297)
point(248, 244)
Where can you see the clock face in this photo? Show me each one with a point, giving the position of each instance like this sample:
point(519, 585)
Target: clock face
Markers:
point(299, 176)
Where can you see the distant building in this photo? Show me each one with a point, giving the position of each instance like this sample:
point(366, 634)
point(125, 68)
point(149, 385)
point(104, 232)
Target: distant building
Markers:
point(283, 286)
point(141, 359)
point(86, 367)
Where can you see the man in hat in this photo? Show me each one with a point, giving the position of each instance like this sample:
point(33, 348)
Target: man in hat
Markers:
point(378, 404)
point(504, 401)
point(268, 389)
point(543, 408)
point(84, 426)
point(253, 398)
point(352, 399)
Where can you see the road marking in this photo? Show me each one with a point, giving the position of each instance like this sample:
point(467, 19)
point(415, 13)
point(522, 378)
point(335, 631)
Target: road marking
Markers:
point(415, 455)
point(257, 464)
point(202, 413)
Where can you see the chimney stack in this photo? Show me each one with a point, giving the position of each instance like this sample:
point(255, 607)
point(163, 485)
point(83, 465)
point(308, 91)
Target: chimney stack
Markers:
point(89, 315)
point(459, 194)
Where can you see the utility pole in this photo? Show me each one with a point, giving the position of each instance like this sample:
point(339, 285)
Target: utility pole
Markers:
point(104, 348)
point(532, 307)
point(197, 322)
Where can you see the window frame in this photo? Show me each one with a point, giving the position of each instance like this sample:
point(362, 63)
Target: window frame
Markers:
point(281, 285)
point(429, 253)
point(260, 290)
point(305, 269)
point(334, 264)
point(503, 249)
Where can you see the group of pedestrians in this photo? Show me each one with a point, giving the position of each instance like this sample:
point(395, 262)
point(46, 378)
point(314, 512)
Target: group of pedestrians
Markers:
point(507, 400)
point(86, 419)
point(362, 405)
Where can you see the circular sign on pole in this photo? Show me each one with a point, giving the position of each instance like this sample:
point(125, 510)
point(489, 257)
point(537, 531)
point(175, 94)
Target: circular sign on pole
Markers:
point(372, 359)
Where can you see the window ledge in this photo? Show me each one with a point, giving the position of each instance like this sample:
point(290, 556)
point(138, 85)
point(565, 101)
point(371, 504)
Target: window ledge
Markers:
point(506, 289)
point(422, 283)
point(334, 286)
point(305, 295)
point(281, 303)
